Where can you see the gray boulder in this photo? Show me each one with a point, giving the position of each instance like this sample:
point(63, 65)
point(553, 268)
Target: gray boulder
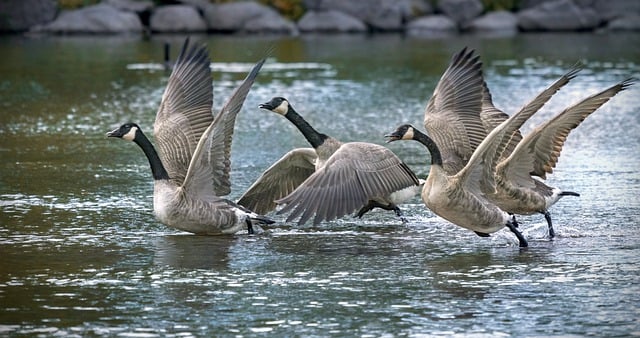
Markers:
point(384, 15)
point(330, 22)
point(96, 19)
point(611, 9)
point(432, 26)
point(18, 16)
point(137, 6)
point(233, 16)
point(558, 15)
point(461, 11)
point(272, 23)
point(175, 19)
point(499, 22)
point(629, 22)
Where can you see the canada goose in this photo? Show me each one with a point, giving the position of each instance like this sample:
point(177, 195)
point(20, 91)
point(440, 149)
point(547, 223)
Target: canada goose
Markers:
point(539, 197)
point(332, 178)
point(537, 154)
point(192, 167)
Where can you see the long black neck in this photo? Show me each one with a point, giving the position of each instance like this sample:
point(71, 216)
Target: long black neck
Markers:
point(157, 169)
point(436, 157)
point(313, 136)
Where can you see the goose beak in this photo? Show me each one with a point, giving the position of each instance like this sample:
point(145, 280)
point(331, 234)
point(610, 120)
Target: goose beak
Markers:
point(114, 133)
point(267, 106)
point(392, 137)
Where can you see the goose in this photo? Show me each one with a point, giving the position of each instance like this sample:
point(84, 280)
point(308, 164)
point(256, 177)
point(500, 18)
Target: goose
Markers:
point(461, 113)
point(538, 197)
point(330, 179)
point(191, 169)
point(519, 189)
point(462, 198)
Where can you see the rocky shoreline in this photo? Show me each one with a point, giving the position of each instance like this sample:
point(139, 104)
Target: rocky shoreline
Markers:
point(427, 18)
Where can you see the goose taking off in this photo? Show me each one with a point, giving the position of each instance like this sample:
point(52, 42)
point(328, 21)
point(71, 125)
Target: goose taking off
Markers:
point(191, 169)
point(519, 188)
point(461, 113)
point(331, 179)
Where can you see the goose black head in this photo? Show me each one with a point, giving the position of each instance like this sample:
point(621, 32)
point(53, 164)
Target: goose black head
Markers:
point(278, 105)
point(127, 131)
point(404, 132)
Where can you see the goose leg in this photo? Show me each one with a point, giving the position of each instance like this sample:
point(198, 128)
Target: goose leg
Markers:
point(374, 204)
point(512, 225)
point(399, 213)
point(249, 227)
point(547, 216)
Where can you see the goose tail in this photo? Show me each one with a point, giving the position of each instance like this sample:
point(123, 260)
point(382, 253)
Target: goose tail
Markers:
point(568, 193)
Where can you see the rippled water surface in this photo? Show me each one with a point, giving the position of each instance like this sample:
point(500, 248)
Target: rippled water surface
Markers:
point(82, 254)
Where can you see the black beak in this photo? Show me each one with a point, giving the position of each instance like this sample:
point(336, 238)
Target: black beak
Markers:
point(114, 133)
point(392, 137)
point(267, 106)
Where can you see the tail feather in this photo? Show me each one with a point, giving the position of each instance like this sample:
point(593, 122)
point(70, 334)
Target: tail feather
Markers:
point(569, 193)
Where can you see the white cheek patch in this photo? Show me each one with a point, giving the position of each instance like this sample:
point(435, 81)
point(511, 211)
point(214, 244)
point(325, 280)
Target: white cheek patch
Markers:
point(408, 135)
point(282, 108)
point(129, 136)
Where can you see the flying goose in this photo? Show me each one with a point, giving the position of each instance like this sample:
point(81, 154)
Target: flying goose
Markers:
point(191, 169)
point(519, 189)
point(462, 198)
point(539, 197)
point(332, 178)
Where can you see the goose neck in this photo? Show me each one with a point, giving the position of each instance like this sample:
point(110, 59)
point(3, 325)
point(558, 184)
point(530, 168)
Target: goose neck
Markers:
point(436, 157)
point(157, 169)
point(314, 138)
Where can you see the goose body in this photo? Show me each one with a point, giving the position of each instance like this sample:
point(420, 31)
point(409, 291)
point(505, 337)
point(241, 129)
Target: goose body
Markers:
point(333, 178)
point(458, 198)
point(191, 169)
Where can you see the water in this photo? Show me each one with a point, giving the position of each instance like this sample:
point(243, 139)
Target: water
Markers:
point(83, 256)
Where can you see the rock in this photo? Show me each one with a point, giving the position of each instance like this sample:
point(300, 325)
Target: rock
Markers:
point(558, 15)
point(330, 22)
point(383, 15)
point(629, 22)
point(176, 18)
point(96, 19)
point(233, 16)
point(461, 11)
point(19, 16)
point(272, 23)
point(137, 6)
point(432, 26)
point(611, 9)
point(499, 22)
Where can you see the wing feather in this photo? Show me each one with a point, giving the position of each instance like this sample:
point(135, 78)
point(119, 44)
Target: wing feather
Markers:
point(541, 148)
point(279, 180)
point(356, 173)
point(185, 110)
point(451, 116)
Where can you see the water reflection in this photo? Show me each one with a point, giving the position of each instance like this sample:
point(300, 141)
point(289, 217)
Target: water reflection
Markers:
point(193, 252)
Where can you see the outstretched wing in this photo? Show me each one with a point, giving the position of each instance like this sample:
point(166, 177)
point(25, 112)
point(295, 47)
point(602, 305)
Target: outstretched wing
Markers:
point(208, 171)
point(539, 151)
point(485, 158)
point(279, 180)
point(452, 115)
point(354, 174)
point(185, 110)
